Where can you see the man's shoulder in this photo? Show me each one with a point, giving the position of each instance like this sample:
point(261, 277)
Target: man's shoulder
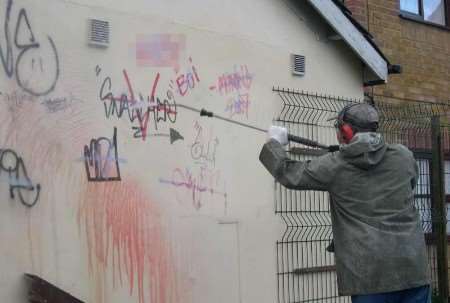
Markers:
point(399, 148)
point(400, 151)
point(331, 159)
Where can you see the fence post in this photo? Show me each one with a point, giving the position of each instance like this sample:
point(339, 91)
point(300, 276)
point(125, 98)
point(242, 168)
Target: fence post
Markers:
point(439, 209)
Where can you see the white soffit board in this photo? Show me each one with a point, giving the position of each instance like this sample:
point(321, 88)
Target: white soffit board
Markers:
point(339, 22)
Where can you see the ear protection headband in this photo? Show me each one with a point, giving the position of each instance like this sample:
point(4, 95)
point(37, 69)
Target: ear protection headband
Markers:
point(345, 128)
point(347, 132)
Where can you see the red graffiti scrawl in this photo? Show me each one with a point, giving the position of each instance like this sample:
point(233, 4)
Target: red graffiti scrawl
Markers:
point(125, 238)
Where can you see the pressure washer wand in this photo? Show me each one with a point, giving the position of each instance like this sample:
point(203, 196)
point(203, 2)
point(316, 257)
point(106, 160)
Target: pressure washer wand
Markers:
point(204, 113)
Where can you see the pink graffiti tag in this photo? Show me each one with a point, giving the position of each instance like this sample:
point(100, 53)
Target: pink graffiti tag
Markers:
point(206, 181)
point(236, 81)
point(187, 81)
point(238, 105)
point(235, 86)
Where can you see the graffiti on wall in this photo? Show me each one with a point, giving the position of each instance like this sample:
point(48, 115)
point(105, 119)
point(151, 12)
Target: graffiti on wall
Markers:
point(136, 106)
point(20, 184)
point(232, 82)
point(58, 104)
point(238, 105)
point(101, 159)
point(201, 180)
point(186, 81)
point(125, 238)
point(202, 183)
point(16, 99)
point(204, 147)
point(31, 60)
point(173, 134)
point(235, 87)
point(159, 50)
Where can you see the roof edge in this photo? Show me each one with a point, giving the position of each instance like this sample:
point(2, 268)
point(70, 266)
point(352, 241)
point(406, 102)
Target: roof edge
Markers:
point(355, 36)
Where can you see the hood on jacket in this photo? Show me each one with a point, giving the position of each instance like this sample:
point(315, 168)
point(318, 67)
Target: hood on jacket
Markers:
point(365, 150)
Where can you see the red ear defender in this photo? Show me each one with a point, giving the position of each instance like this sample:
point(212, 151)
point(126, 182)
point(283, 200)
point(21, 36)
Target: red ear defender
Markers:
point(347, 132)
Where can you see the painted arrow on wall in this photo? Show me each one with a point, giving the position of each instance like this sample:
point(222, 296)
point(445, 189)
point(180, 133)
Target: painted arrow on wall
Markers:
point(174, 135)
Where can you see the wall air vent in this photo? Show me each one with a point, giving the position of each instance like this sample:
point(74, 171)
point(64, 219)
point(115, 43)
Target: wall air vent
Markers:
point(98, 33)
point(298, 65)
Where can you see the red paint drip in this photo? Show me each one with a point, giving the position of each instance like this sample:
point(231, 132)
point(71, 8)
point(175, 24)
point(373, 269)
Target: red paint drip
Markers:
point(123, 231)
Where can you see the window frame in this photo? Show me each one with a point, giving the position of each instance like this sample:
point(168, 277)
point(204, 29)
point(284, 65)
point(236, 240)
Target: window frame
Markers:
point(421, 18)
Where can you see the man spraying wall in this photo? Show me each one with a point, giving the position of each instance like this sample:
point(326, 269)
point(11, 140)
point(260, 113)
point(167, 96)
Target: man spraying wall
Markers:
point(378, 240)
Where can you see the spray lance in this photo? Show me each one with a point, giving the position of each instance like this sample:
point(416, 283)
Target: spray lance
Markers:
point(204, 113)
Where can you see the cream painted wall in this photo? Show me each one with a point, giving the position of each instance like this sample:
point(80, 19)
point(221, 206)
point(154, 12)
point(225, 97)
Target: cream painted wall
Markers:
point(191, 221)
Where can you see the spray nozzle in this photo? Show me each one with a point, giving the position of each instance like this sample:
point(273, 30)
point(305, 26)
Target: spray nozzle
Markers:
point(204, 112)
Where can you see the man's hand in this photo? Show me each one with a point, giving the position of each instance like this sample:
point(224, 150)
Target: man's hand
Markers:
point(278, 133)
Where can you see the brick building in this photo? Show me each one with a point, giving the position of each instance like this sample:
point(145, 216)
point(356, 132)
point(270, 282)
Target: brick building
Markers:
point(414, 34)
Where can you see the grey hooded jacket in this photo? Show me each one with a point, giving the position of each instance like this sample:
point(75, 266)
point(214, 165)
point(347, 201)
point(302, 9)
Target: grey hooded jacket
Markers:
point(378, 239)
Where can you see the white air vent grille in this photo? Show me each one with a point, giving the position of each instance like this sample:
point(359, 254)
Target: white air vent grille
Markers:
point(298, 65)
point(98, 33)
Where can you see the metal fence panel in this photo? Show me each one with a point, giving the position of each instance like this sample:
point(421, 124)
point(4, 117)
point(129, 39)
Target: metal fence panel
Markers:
point(305, 266)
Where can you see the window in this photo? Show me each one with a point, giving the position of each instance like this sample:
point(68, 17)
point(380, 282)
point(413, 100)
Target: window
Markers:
point(431, 11)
